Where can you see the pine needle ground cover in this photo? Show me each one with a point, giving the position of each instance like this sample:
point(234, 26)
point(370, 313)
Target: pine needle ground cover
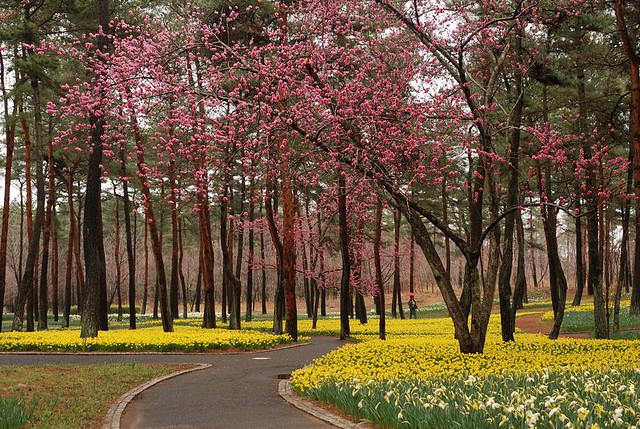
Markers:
point(67, 396)
point(184, 339)
point(423, 381)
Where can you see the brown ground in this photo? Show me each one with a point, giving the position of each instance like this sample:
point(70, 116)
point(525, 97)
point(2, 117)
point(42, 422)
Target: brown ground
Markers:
point(532, 323)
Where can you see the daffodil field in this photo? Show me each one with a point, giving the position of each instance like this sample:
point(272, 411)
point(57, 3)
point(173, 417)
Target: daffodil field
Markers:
point(423, 381)
point(184, 339)
point(417, 378)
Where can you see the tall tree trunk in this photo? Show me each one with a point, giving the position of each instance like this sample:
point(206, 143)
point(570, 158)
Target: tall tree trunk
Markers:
point(226, 245)
point(306, 285)
point(445, 219)
point(343, 222)
point(557, 279)
point(520, 294)
point(250, 256)
point(239, 253)
point(131, 259)
point(27, 283)
point(117, 258)
point(80, 288)
point(263, 272)
point(208, 260)
point(634, 78)
point(532, 250)
point(608, 262)
point(592, 205)
point(504, 277)
point(199, 280)
point(156, 290)
point(412, 263)
point(145, 290)
point(361, 309)
point(156, 246)
point(183, 283)
point(289, 252)
point(29, 215)
point(10, 133)
point(278, 303)
point(46, 241)
point(315, 284)
point(20, 269)
point(624, 268)
point(173, 204)
point(55, 266)
point(577, 299)
point(506, 268)
point(377, 242)
point(397, 288)
point(70, 249)
point(520, 289)
point(94, 310)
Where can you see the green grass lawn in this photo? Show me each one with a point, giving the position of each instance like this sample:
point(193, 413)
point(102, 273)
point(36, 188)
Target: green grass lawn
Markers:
point(581, 319)
point(67, 396)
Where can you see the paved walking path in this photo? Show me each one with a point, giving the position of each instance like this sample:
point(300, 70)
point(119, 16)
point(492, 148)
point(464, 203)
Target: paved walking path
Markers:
point(238, 391)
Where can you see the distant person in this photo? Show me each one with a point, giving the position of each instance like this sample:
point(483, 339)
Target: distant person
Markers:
point(413, 308)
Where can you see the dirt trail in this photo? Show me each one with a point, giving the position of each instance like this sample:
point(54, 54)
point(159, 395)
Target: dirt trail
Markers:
point(533, 324)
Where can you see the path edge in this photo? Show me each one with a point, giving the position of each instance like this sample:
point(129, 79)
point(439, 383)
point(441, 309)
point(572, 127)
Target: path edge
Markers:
point(288, 394)
point(113, 416)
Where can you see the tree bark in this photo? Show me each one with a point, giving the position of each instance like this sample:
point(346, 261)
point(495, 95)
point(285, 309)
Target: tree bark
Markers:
point(10, 133)
point(156, 246)
point(183, 283)
point(263, 272)
point(634, 78)
point(445, 219)
point(76, 254)
point(237, 304)
point(131, 260)
point(275, 238)
point(346, 260)
point(250, 256)
point(173, 204)
point(226, 245)
point(117, 258)
point(94, 310)
point(577, 299)
point(207, 264)
point(624, 268)
point(377, 243)
point(592, 204)
point(145, 290)
point(197, 298)
point(27, 287)
point(70, 249)
point(289, 251)
point(397, 290)
point(29, 212)
point(46, 241)
point(55, 266)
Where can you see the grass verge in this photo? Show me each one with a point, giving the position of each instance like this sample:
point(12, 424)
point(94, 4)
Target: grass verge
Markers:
point(67, 396)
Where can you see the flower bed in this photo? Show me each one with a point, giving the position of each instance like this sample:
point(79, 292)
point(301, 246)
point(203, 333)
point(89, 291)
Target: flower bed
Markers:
point(420, 381)
point(184, 339)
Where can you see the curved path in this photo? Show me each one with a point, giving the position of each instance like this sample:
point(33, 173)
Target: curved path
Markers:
point(238, 391)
